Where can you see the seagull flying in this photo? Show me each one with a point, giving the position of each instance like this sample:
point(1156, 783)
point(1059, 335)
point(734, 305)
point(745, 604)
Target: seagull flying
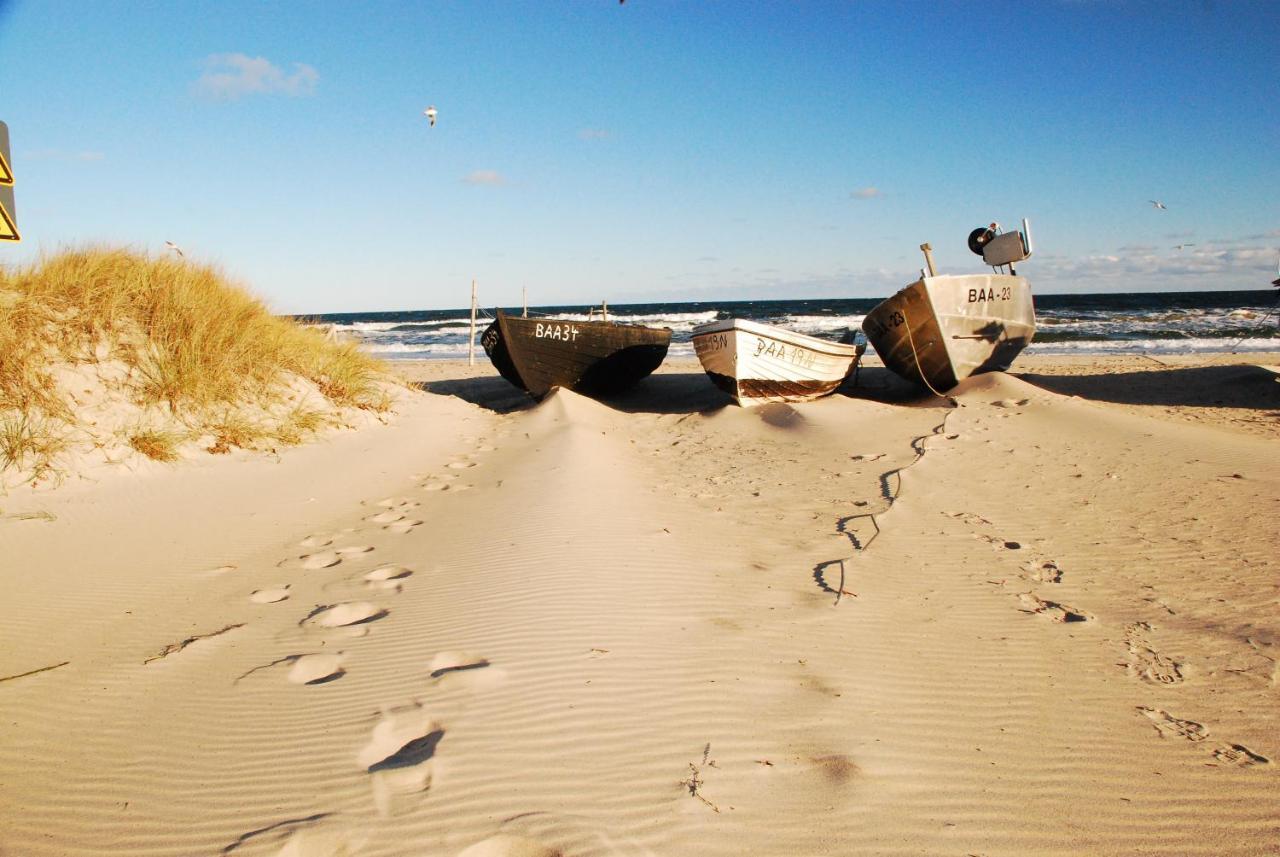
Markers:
point(430, 113)
point(1158, 204)
point(175, 248)
point(1182, 246)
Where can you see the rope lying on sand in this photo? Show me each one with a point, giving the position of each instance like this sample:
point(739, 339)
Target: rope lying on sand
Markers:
point(890, 493)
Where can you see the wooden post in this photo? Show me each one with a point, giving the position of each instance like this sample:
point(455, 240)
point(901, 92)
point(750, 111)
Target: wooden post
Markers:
point(471, 340)
point(604, 310)
point(928, 258)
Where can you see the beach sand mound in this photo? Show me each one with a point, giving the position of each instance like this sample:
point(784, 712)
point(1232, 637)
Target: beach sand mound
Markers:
point(1004, 622)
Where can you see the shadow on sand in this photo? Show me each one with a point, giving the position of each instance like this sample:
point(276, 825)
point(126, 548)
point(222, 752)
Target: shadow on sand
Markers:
point(1238, 386)
point(675, 393)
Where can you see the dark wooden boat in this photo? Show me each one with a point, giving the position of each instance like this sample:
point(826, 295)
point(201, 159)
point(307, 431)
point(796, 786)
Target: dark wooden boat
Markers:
point(594, 358)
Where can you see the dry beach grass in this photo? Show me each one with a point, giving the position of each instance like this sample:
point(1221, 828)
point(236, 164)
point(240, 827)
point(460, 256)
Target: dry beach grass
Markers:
point(189, 354)
point(1026, 620)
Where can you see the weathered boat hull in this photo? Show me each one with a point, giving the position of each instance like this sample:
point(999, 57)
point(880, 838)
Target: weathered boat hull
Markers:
point(594, 358)
point(757, 363)
point(940, 330)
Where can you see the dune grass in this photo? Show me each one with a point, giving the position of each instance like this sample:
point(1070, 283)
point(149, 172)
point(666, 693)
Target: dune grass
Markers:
point(156, 444)
point(196, 345)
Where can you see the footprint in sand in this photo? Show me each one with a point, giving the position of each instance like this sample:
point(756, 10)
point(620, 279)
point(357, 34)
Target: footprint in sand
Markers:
point(354, 550)
point(1239, 755)
point(388, 517)
point(1029, 603)
point(1144, 662)
point(404, 526)
point(270, 596)
point(505, 845)
point(343, 615)
point(317, 669)
point(460, 465)
point(1043, 572)
point(299, 837)
point(316, 541)
point(313, 561)
point(436, 486)
point(400, 753)
point(397, 503)
point(998, 543)
point(969, 518)
point(463, 669)
point(387, 577)
point(1172, 727)
point(1009, 403)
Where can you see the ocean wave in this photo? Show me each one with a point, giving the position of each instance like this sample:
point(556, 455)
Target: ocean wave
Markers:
point(1216, 345)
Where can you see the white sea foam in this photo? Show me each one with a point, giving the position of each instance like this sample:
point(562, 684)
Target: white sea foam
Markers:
point(1213, 345)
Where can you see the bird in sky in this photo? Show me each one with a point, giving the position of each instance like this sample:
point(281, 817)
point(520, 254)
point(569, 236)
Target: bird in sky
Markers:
point(175, 248)
point(1158, 204)
point(430, 113)
point(1182, 246)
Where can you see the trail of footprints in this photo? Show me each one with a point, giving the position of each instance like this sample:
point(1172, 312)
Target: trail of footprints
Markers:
point(399, 754)
point(1143, 660)
point(1035, 570)
point(1226, 753)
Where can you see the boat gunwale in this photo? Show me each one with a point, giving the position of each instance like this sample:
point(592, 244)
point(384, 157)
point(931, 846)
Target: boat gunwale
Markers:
point(827, 347)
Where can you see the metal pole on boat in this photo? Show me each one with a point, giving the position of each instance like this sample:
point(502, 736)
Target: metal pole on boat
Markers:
point(928, 257)
point(524, 300)
point(604, 310)
point(471, 340)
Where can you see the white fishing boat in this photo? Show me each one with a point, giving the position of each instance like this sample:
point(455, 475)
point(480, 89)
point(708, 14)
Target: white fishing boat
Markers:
point(757, 363)
point(941, 329)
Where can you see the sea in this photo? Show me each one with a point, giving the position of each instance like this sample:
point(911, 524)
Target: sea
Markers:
point(1137, 323)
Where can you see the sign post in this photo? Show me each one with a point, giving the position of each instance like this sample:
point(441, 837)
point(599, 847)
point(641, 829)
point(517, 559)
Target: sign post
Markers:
point(8, 212)
point(471, 340)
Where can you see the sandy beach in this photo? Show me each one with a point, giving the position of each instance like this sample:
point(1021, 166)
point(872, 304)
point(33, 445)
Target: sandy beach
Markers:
point(1041, 616)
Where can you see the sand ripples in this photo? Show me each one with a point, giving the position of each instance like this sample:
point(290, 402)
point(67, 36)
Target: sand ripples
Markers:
point(615, 644)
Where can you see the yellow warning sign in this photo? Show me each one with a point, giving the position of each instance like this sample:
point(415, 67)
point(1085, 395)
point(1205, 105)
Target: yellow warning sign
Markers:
point(6, 172)
point(8, 212)
point(8, 228)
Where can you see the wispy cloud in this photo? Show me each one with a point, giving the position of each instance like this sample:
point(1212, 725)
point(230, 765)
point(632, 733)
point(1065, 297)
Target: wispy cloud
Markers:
point(228, 77)
point(1139, 267)
point(594, 134)
point(491, 178)
point(62, 155)
point(866, 193)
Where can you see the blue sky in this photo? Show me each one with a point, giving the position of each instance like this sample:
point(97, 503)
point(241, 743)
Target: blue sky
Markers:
point(649, 150)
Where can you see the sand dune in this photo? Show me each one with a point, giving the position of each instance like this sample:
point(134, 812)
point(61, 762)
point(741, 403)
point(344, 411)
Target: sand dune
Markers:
point(1022, 621)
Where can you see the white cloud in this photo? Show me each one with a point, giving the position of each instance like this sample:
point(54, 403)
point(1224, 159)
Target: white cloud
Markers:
point(1141, 269)
point(866, 193)
point(491, 178)
point(230, 76)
